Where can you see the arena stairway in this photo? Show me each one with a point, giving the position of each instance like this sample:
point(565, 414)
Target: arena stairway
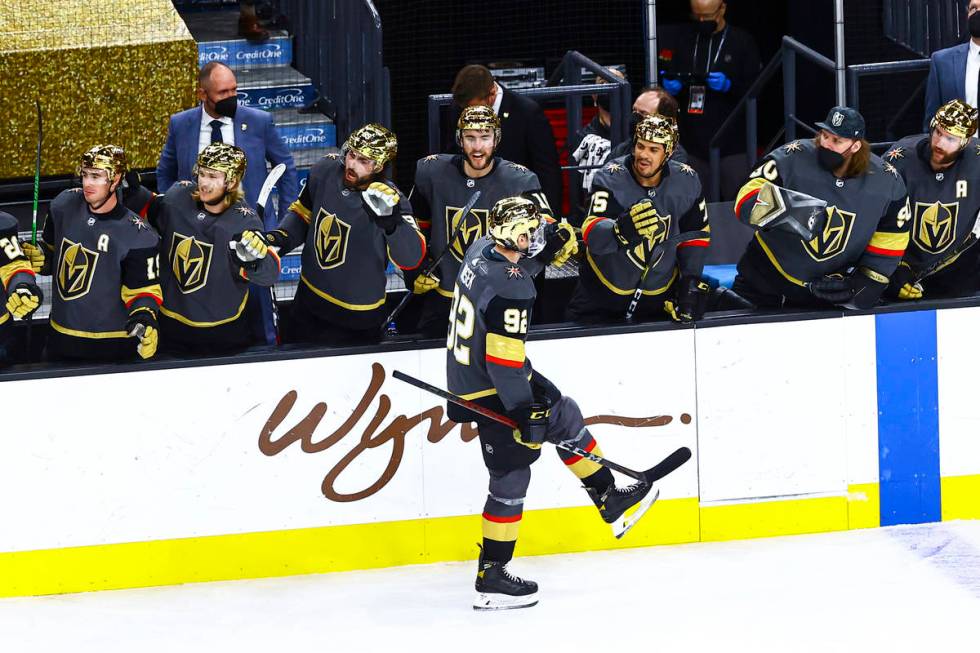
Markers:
point(267, 80)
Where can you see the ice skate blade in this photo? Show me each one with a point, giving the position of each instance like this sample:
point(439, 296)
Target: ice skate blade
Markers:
point(625, 522)
point(494, 601)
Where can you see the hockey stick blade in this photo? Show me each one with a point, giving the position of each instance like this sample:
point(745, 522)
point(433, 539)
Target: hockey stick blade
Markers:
point(667, 465)
point(435, 263)
point(271, 179)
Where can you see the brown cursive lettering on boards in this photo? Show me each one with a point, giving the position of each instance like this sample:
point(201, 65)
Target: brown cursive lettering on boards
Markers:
point(372, 437)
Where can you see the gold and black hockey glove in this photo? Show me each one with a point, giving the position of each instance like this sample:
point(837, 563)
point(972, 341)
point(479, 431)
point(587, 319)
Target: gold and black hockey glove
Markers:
point(560, 243)
point(690, 302)
point(532, 424)
point(250, 247)
point(639, 222)
point(142, 325)
point(902, 284)
point(382, 201)
point(34, 254)
point(24, 299)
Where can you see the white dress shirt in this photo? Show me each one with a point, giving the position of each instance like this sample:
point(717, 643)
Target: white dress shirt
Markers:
point(972, 73)
point(228, 129)
point(498, 98)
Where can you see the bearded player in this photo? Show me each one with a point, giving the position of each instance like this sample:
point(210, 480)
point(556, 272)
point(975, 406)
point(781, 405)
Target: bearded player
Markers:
point(443, 185)
point(941, 170)
point(351, 221)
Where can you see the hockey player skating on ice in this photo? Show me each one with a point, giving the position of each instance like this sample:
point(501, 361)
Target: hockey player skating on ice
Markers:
point(104, 264)
point(941, 170)
point(443, 184)
point(351, 221)
point(857, 227)
point(212, 247)
point(486, 362)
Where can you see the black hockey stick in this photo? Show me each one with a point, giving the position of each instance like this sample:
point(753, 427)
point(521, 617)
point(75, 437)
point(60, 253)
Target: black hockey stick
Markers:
point(435, 263)
point(969, 242)
point(652, 260)
point(655, 473)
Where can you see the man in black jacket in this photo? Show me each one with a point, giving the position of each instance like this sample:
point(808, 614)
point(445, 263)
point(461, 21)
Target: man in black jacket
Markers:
point(526, 139)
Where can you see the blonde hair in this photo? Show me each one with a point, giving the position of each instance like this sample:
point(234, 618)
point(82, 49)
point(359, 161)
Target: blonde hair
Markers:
point(231, 197)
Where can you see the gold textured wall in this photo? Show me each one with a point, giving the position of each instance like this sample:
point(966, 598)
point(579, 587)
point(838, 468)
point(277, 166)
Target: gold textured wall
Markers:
point(104, 72)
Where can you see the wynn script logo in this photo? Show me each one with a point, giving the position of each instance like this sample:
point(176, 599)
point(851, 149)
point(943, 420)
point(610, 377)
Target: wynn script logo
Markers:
point(382, 430)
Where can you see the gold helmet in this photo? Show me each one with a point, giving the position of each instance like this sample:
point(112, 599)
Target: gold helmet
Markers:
point(110, 158)
point(657, 129)
point(957, 117)
point(478, 117)
point(374, 142)
point(513, 216)
point(223, 158)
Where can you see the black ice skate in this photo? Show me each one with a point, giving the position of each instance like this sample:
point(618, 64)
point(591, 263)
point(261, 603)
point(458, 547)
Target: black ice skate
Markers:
point(615, 503)
point(498, 589)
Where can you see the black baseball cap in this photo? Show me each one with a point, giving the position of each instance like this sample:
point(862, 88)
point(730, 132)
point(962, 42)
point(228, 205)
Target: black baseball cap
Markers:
point(844, 122)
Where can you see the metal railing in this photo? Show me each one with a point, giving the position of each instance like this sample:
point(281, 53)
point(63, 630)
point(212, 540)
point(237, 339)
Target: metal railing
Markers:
point(785, 59)
point(565, 83)
point(925, 26)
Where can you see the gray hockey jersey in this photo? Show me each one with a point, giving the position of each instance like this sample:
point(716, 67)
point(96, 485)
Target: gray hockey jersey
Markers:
point(944, 205)
point(492, 304)
point(104, 267)
point(611, 272)
point(203, 285)
point(867, 216)
point(345, 251)
point(441, 191)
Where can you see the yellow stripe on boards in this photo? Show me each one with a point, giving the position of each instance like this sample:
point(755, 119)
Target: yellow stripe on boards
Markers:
point(863, 506)
point(737, 521)
point(444, 539)
point(961, 497)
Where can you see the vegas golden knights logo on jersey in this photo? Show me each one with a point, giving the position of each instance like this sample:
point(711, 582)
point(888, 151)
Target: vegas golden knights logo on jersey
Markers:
point(835, 235)
point(934, 228)
point(191, 262)
point(332, 236)
point(640, 254)
point(473, 229)
point(76, 269)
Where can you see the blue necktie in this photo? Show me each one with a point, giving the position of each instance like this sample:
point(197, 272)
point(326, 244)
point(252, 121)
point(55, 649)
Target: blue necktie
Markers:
point(216, 131)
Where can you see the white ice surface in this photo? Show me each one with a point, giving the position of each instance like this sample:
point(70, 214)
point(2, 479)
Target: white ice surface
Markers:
point(909, 588)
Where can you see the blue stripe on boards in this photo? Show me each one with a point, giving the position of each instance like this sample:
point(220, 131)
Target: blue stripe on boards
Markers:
point(908, 417)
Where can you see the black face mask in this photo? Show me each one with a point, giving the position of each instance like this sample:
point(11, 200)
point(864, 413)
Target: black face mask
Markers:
point(226, 107)
point(974, 24)
point(828, 159)
point(706, 27)
point(602, 101)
